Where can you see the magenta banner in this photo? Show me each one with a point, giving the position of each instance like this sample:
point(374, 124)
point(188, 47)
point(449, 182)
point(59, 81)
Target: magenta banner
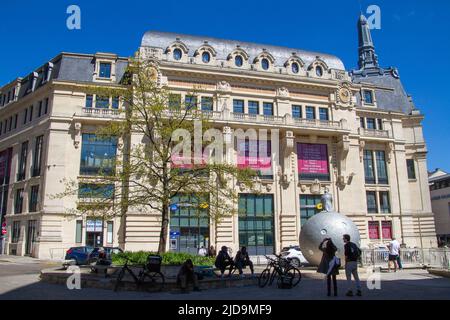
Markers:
point(256, 155)
point(312, 158)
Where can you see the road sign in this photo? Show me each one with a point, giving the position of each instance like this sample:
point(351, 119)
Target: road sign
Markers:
point(3, 231)
point(174, 233)
point(174, 207)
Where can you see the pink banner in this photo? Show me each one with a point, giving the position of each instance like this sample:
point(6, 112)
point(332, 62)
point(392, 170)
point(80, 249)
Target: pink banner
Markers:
point(312, 158)
point(255, 155)
point(188, 162)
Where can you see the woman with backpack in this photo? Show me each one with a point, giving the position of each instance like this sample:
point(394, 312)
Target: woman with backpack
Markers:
point(329, 265)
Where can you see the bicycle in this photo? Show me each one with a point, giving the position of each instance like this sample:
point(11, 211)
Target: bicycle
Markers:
point(150, 278)
point(283, 271)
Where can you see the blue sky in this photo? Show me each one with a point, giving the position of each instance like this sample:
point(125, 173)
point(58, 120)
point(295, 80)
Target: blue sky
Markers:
point(414, 37)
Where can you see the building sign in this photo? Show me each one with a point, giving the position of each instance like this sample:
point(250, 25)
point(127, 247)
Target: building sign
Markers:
point(313, 161)
point(94, 225)
point(256, 155)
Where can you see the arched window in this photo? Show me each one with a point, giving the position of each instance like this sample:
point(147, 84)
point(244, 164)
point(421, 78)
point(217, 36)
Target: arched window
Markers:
point(319, 71)
point(295, 67)
point(238, 61)
point(177, 54)
point(206, 57)
point(265, 64)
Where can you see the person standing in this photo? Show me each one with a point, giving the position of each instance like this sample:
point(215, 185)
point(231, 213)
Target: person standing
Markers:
point(202, 251)
point(394, 252)
point(211, 251)
point(329, 255)
point(352, 254)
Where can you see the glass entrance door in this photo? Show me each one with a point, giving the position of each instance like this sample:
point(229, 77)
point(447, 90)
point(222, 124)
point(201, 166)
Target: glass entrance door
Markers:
point(94, 233)
point(31, 237)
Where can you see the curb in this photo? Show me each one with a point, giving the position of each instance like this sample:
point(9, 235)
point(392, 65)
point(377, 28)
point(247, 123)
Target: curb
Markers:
point(440, 272)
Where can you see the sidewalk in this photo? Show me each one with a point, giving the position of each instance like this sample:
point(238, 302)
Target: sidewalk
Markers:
point(26, 260)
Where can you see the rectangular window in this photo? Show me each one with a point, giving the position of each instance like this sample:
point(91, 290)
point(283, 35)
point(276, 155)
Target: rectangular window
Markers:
point(91, 190)
point(362, 123)
point(190, 102)
point(369, 168)
point(46, 106)
point(256, 223)
point(372, 206)
point(380, 124)
point(5, 126)
point(15, 232)
point(33, 201)
point(296, 112)
point(382, 176)
point(374, 230)
point(22, 161)
point(79, 231)
point(105, 70)
point(368, 97)
point(10, 123)
point(268, 108)
point(18, 201)
point(310, 113)
point(1, 127)
point(98, 155)
point(238, 106)
point(109, 231)
point(323, 114)
point(89, 101)
point(386, 229)
point(174, 101)
point(411, 169)
point(102, 102)
point(115, 103)
point(385, 206)
point(31, 113)
point(40, 109)
point(370, 123)
point(37, 161)
point(253, 107)
point(25, 116)
point(16, 117)
point(308, 207)
point(207, 104)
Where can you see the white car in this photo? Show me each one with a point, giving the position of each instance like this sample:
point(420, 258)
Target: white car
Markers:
point(294, 256)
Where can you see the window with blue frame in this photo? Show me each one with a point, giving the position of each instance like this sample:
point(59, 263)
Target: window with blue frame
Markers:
point(115, 103)
point(296, 112)
point(102, 102)
point(238, 106)
point(256, 223)
point(177, 54)
point(370, 123)
point(174, 101)
point(206, 57)
point(265, 64)
point(238, 61)
point(190, 102)
point(89, 101)
point(368, 96)
point(207, 104)
point(93, 190)
point(268, 108)
point(98, 155)
point(323, 114)
point(105, 70)
point(253, 107)
point(369, 168)
point(310, 113)
point(382, 176)
point(308, 207)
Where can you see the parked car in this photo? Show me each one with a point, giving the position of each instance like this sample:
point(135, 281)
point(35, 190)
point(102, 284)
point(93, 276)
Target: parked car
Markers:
point(294, 255)
point(77, 255)
point(103, 253)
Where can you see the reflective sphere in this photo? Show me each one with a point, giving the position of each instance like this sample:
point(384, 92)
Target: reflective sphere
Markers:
point(326, 225)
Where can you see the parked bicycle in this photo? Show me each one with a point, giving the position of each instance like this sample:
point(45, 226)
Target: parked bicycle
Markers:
point(285, 272)
point(149, 278)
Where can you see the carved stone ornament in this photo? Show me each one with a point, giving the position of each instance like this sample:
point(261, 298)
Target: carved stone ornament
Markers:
point(315, 187)
point(362, 145)
point(282, 92)
point(77, 137)
point(344, 95)
point(223, 86)
point(389, 151)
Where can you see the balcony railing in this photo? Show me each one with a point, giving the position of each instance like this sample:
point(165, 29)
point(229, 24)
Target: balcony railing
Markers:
point(373, 133)
point(101, 112)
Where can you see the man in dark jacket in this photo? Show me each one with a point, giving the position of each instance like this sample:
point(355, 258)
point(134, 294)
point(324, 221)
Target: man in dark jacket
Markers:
point(186, 274)
point(352, 254)
point(223, 260)
point(241, 260)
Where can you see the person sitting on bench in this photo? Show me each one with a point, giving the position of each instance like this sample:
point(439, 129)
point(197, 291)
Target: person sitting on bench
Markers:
point(242, 260)
point(186, 274)
point(223, 260)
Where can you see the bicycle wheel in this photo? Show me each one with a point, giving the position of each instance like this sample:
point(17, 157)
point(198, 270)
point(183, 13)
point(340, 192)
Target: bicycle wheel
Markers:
point(153, 281)
point(295, 274)
point(264, 278)
point(119, 279)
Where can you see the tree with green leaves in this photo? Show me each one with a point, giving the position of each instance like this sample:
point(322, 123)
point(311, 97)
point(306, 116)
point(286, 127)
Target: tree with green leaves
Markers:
point(167, 148)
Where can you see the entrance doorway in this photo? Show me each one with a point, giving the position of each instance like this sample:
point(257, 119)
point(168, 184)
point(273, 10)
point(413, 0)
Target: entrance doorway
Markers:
point(94, 233)
point(31, 237)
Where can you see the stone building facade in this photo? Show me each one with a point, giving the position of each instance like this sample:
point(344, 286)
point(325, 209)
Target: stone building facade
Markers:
point(355, 133)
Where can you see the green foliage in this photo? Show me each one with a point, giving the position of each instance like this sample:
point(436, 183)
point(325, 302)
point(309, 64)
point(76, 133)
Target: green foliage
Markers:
point(169, 258)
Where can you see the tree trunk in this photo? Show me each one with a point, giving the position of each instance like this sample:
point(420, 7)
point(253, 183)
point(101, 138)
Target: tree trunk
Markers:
point(163, 236)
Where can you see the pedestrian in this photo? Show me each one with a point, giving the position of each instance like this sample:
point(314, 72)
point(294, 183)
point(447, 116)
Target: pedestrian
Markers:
point(211, 251)
point(202, 251)
point(223, 260)
point(187, 274)
point(241, 260)
point(394, 251)
point(328, 265)
point(352, 254)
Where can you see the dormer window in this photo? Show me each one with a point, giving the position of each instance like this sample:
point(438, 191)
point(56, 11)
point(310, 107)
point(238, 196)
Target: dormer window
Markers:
point(295, 67)
point(368, 96)
point(238, 61)
point(206, 57)
point(265, 64)
point(177, 54)
point(319, 71)
point(105, 70)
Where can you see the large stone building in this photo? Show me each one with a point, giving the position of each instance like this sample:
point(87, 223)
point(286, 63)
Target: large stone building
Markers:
point(355, 133)
point(440, 203)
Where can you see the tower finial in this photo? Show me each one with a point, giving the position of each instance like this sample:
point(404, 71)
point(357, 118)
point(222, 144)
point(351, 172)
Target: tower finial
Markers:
point(367, 56)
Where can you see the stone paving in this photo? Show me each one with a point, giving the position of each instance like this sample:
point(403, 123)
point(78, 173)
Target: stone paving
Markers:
point(19, 279)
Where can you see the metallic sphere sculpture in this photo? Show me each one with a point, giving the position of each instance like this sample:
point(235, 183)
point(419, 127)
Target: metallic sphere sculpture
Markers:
point(326, 224)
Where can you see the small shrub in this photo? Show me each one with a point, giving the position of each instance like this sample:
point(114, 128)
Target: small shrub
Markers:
point(168, 258)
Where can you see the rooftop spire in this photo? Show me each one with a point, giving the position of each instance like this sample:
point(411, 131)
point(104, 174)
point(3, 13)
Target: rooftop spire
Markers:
point(367, 57)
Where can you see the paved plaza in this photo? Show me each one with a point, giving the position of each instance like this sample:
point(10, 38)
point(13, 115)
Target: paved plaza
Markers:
point(19, 279)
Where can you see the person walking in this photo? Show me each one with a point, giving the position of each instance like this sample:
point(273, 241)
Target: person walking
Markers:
point(328, 265)
point(394, 252)
point(352, 254)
